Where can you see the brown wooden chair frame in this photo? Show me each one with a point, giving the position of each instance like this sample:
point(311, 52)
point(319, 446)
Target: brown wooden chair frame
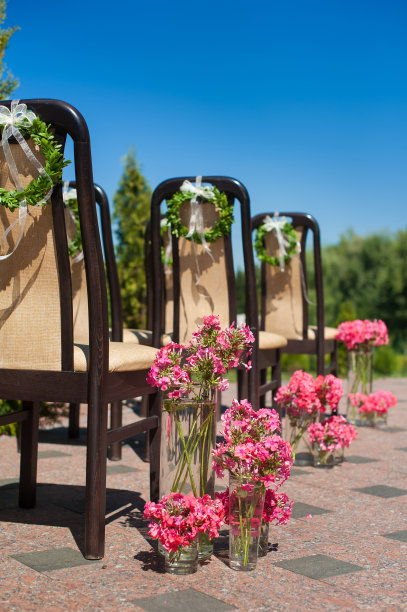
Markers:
point(97, 387)
point(318, 346)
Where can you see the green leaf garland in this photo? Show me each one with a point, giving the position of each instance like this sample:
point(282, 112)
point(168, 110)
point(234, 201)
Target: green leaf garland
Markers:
point(38, 188)
point(288, 232)
point(222, 226)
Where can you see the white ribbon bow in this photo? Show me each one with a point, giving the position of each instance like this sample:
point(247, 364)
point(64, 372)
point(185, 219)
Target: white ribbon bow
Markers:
point(276, 225)
point(196, 222)
point(19, 115)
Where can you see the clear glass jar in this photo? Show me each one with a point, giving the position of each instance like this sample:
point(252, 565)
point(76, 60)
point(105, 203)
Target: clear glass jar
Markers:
point(264, 540)
point(184, 561)
point(360, 380)
point(246, 501)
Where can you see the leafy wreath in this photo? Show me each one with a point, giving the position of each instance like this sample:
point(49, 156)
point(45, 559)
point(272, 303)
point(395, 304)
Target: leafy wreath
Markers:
point(54, 163)
point(222, 206)
point(289, 234)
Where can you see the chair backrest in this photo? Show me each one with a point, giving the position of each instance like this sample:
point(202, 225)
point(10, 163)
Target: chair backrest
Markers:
point(79, 288)
point(36, 318)
point(284, 293)
point(202, 283)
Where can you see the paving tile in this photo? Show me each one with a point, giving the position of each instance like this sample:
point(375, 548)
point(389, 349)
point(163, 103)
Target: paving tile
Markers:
point(49, 454)
point(296, 471)
point(403, 448)
point(301, 510)
point(392, 429)
point(120, 469)
point(189, 599)
point(53, 559)
point(359, 459)
point(318, 567)
point(400, 536)
point(382, 491)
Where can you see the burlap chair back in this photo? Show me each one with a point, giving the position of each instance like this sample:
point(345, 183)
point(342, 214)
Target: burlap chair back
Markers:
point(203, 278)
point(80, 302)
point(30, 325)
point(284, 296)
point(169, 286)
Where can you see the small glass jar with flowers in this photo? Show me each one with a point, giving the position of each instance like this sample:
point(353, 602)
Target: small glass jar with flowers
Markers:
point(189, 376)
point(302, 401)
point(328, 439)
point(372, 408)
point(176, 521)
point(360, 338)
point(257, 458)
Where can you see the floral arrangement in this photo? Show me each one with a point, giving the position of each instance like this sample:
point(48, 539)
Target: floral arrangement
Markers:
point(332, 433)
point(286, 237)
point(257, 458)
point(179, 370)
point(252, 449)
point(197, 194)
point(22, 123)
point(177, 519)
point(362, 335)
point(378, 402)
point(304, 398)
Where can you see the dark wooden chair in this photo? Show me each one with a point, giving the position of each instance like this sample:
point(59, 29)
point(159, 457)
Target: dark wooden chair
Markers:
point(40, 359)
point(284, 296)
point(209, 287)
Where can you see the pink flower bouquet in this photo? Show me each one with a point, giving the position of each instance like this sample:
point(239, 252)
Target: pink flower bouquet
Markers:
point(362, 335)
point(176, 521)
point(372, 406)
point(252, 450)
point(304, 399)
point(196, 368)
point(332, 434)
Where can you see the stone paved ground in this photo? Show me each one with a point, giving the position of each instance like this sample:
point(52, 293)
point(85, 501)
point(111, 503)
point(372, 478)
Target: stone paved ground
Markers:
point(349, 554)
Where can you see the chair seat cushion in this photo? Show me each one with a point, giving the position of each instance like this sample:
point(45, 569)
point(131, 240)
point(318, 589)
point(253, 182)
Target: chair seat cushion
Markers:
point(329, 332)
point(123, 357)
point(268, 341)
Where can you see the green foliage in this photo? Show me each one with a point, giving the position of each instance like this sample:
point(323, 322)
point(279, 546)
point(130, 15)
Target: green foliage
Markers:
point(131, 215)
point(221, 227)
point(54, 163)
point(7, 84)
point(7, 407)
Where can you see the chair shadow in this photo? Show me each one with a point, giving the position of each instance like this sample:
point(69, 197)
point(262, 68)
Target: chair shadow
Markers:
point(70, 500)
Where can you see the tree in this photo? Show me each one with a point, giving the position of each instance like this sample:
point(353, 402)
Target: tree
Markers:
point(131, 215)
point(7, 84)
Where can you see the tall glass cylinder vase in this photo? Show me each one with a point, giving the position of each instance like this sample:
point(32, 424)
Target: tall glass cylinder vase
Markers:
point(295, 432)
point(188, 435)
point(246, 501)
point(360, 380)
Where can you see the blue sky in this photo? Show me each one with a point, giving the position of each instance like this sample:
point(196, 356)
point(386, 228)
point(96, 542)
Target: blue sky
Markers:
point(303, 101)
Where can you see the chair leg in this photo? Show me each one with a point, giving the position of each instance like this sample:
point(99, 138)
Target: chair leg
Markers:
point(145, 412)
point(95, 497)
point(154, 436)
point(29, 456)
point(74, 415)
point(114, 452)
point(263, 380)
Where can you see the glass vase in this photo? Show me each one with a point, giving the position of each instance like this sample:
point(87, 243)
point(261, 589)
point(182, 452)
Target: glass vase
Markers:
point(183, 561)
point(188, 435)
point(294, 429)
point(339, 455)
point(264, 540)
point(246, 501)
point(360, 379)
point(323, 458)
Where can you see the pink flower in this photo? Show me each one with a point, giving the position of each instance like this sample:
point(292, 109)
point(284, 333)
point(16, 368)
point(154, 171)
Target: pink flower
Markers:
point(379, 402)
point(362, 334)
point(331, 434)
